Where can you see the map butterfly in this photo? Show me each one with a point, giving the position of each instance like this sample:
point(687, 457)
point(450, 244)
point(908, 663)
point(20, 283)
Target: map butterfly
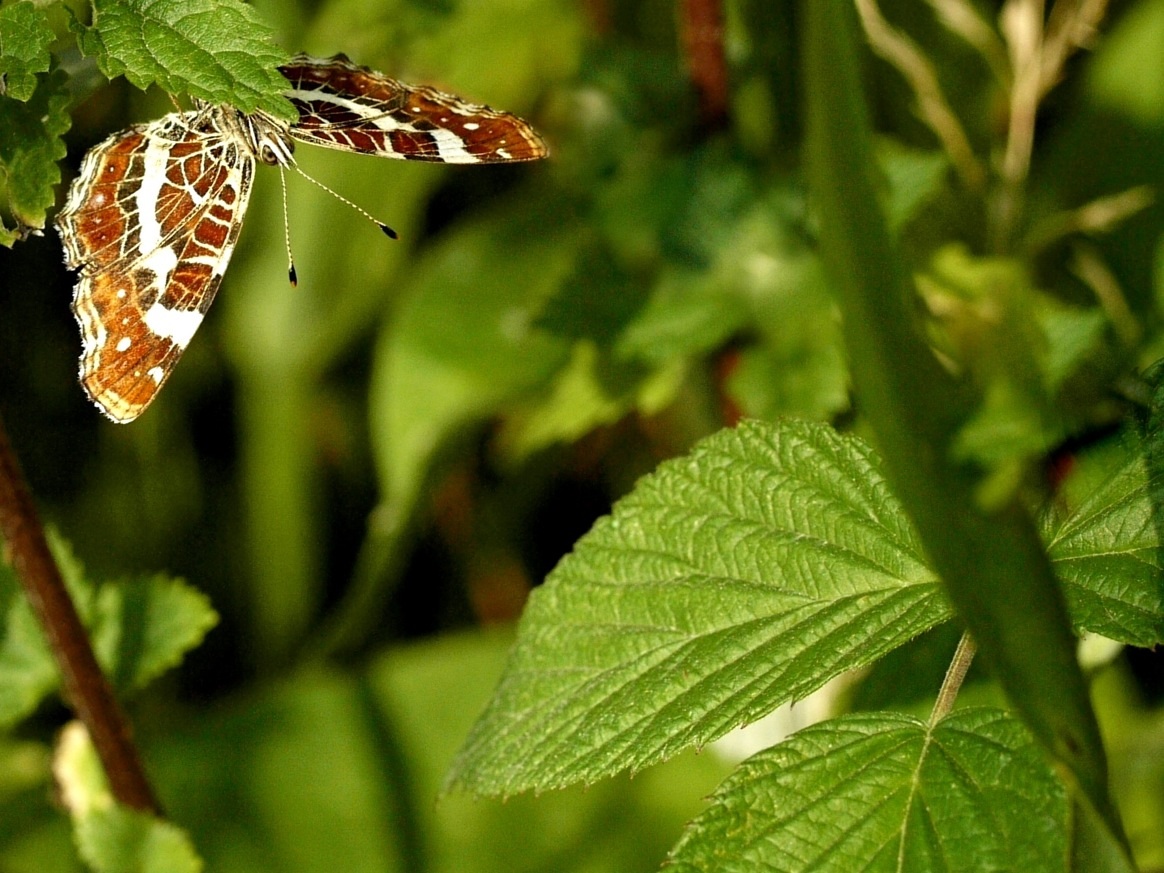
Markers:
point(152, 219)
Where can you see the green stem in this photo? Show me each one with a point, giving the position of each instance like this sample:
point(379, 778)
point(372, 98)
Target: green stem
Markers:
point(990, 558)
point(955, 676)
point(279, 471)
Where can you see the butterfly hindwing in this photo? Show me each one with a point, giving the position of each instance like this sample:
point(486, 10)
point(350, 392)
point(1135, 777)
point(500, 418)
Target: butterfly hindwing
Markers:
point(151, 222)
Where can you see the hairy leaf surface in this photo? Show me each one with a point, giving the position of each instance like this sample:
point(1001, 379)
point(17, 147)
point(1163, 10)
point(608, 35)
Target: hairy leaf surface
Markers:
point(969, 795)
point(217, 50)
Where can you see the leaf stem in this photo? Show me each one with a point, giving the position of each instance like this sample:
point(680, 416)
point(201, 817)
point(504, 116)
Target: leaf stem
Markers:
point(955, 676)
point(85, 686)
point(373, 581)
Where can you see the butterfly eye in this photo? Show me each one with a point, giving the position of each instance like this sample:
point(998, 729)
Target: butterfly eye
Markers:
point(273, 151)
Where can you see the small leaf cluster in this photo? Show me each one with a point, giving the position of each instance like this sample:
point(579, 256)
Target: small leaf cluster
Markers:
point(220, 52)
point(139, 629)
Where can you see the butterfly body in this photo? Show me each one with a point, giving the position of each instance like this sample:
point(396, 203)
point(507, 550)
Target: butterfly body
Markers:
point(152, 219)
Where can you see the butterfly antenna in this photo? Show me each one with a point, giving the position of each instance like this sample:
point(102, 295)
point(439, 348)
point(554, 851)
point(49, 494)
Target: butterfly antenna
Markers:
point(389, 232)
point(292, 276)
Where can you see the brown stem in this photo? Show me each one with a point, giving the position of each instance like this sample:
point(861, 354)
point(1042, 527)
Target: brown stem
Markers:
point(598, 13)
point(702, 31)
point(955, 675)
point(85, 686)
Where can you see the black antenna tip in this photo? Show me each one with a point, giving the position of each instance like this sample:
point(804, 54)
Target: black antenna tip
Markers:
point(293, 276)
point(388, 232)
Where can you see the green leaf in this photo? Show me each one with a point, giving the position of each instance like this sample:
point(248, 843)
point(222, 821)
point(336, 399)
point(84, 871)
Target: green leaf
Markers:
point(596, 301)
point(112, 838)
point(685, 315)
point(798, 367)
point(464, 342)
point(121, 840)
point(745, 575)
point(217, 50)
point(25, 35)
point(27, 671)
point(1107, 555)
point(139, 629)
point(915, 177)
point(1113, 83)
point(143, 627)
point(30, 146)
point(591, 391)
point(886, 792)
point(763, 283)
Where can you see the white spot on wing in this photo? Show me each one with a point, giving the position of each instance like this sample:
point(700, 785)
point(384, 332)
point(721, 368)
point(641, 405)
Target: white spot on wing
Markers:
point(161, 262)
point(177, 325)
point(123, 344)
point(452, 148)
point(156, 374)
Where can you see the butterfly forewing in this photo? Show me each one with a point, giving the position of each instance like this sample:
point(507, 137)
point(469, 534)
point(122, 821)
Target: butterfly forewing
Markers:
point(150, 222)
point(343, 106)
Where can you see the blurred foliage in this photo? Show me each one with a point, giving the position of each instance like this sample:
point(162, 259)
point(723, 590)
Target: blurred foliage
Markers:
point(374, 464)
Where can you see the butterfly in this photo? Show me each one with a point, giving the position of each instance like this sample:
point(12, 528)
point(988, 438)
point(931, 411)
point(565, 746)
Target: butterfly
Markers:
point(152, 218)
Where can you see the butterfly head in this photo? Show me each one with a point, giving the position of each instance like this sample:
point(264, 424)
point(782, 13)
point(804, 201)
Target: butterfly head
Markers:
point(268, 137)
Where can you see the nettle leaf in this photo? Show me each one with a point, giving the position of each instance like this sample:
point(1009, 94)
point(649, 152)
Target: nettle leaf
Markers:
point(1107, 555)
point(1107, 550)
point(747, 574)
point(139, 628)
point(30, 145)
point(886, 792)
point(769, 560)
point(25, 36)
point(217, 50)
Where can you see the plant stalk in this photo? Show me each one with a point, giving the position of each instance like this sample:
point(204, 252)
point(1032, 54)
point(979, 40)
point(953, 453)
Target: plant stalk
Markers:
point(85, 687)
point(955, 676)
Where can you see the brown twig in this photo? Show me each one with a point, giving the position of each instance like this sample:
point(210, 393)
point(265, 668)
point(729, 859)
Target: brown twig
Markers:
point(1038, 50)
point(702, 32)
point(919, 71)
point(85, 686)
point(963, 18)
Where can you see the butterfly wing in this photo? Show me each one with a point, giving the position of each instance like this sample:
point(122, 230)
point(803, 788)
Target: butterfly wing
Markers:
point(347, 107)
point(150, 222)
